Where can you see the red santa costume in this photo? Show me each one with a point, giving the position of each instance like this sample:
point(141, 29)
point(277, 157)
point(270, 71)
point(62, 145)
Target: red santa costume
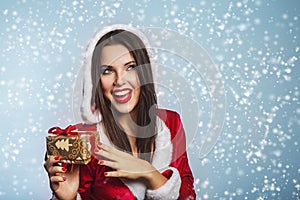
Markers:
point(169, 157)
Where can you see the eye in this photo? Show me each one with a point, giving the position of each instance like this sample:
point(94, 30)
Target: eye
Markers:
point(106, 70)
point(131, 67)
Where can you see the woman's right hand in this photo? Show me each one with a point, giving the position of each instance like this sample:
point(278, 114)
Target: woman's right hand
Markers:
point(64, 183)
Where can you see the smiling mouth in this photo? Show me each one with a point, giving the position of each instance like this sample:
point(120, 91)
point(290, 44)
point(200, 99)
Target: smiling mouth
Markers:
point(122, 96)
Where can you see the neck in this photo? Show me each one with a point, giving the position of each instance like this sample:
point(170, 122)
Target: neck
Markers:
point(128, 123)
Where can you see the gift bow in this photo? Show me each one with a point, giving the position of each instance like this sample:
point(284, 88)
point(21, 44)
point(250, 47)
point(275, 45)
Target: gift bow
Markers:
point(67, 131)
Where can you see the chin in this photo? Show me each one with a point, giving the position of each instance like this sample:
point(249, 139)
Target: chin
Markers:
point(123, 109)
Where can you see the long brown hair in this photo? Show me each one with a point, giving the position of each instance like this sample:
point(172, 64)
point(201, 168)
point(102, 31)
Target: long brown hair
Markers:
point(146, 107)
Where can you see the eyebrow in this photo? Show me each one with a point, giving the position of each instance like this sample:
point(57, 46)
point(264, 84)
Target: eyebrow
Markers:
point(128, 63)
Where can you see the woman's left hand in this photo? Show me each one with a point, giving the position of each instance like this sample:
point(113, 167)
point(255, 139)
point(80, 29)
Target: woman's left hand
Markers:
point(128, 166)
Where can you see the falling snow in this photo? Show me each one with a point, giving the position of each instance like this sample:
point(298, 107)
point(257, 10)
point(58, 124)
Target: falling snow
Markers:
point(254, 45)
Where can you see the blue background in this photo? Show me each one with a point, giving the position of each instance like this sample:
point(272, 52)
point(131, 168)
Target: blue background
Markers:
point(254, 44)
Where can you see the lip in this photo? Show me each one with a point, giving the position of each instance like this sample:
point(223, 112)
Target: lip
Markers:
point(122, 95)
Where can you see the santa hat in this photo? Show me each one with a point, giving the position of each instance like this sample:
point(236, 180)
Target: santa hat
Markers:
point(88, 114)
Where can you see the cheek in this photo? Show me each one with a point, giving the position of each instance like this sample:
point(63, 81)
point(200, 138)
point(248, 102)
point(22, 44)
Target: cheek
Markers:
point(134, 80)
point(106, 84)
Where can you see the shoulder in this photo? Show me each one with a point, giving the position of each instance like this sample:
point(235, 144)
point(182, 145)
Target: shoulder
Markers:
point(171, 119)
point(167, 115)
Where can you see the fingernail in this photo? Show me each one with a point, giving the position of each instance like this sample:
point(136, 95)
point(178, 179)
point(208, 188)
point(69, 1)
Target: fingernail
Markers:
point(56, 158)
point(96, 150)
point(100, 162)
point(105, 173)
point(64, 169)
point(99, 143)
point(64, 178)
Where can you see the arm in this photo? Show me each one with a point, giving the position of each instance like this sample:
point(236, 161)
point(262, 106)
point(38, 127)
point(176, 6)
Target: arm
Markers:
point(180, 179)
point(187, 179)
point(179, 184)
point(180, 158)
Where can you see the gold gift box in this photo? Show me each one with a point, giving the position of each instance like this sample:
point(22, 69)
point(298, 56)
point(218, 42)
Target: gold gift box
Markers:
point(75, 149)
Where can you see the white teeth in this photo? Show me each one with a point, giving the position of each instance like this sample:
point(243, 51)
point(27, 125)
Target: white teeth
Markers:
point(121, 93)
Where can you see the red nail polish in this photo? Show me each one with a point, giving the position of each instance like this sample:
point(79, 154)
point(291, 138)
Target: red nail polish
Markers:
point(56, 158)
point(99, 143)
point(64, 169)
point(100, 162)
point(96, 150)
point(105, 173)
point(64, 178)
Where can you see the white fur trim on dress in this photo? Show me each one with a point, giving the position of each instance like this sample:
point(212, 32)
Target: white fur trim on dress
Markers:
point(162, 158)
point(88, 116)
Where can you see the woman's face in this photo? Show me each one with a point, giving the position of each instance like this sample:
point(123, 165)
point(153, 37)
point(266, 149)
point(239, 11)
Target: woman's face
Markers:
point(119, 78)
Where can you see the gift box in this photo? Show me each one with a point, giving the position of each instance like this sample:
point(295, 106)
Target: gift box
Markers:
point(72, 146)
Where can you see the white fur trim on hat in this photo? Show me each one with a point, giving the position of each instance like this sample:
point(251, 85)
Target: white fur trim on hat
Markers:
point(89, 116)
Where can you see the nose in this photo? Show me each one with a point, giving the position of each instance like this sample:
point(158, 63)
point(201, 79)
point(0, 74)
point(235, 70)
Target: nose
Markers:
point(120, 79)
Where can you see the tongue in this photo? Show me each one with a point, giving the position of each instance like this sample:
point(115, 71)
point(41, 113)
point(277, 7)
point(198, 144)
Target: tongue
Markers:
point(122, 98)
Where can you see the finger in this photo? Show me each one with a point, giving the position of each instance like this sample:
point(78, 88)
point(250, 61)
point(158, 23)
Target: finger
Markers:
point(52, 160)
point(118, 174)
point(57, 179)
point(107, 148)
point(56, 170)
point(110, 164)
point(105, 154)
point(111, 150)
point(104, 147)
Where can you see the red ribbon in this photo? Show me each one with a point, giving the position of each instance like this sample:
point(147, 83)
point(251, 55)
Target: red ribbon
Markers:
point(67, 131)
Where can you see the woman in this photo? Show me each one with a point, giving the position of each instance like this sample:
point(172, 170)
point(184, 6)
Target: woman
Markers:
point(141, 153)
